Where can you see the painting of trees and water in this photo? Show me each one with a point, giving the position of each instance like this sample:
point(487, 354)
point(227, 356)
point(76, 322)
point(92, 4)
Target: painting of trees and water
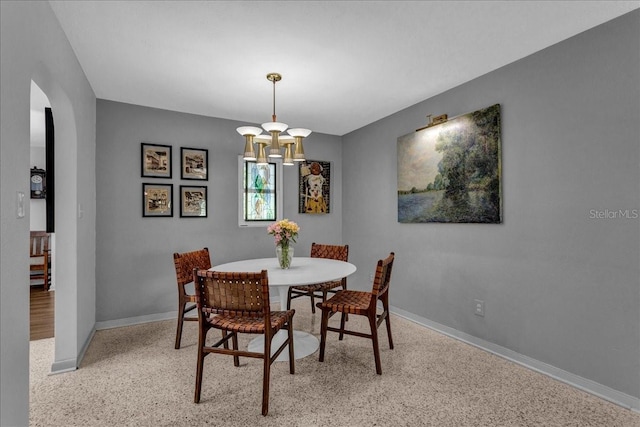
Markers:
point(451, 172)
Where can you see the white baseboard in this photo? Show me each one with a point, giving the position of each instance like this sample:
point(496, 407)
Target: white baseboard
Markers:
point(129, 321)
point(62, 366)
point(67, 365)
point(602, 391)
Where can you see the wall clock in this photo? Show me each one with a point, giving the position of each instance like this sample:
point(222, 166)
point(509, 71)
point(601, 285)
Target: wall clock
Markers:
point(38, 183)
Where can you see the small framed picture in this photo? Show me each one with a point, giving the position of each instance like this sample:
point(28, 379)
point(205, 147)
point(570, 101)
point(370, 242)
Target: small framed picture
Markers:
point(193, 201)
point(194, 163)
point(157, 199)
point(314, 185)
point(156, 160)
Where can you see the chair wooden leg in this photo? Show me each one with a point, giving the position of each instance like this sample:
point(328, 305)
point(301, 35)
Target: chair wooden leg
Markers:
point(313, 305)
point(226, 343)
point(180, 322)
point(374, 337)
point(344, 288)
point(385, 304)
point(266, 373)
point(323, 333)
point(292, 358)
point(236, 359)
point(200, 365)
point(343, 319)
point(45, 280)
point(288, 299)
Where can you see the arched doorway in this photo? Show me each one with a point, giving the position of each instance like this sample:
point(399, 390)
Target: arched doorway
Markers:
point(41, 212)
point(65, 262)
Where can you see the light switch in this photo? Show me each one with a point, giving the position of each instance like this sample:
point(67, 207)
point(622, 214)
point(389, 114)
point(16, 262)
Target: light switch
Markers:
point(20, 209)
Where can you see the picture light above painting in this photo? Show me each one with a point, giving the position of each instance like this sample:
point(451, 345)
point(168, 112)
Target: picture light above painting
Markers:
point(451, 172)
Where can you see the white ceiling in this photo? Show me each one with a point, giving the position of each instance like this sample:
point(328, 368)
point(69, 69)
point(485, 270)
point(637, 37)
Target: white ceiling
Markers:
point(344, 64)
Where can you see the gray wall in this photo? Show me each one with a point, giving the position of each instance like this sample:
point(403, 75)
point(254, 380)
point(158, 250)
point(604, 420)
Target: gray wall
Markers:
point(34, 47)
point(560, 287)
point(135, 274)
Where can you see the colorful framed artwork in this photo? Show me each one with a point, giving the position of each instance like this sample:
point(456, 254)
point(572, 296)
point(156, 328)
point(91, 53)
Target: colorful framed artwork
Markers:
point(194, 163)
point(157, 200)
point(451, 172)
point(156, 160)
point(314, 187)
point(193, 201)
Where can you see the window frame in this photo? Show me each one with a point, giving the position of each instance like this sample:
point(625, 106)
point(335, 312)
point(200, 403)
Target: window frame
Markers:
point(242, 222)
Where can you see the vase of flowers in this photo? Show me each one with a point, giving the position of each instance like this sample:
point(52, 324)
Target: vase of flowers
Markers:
point(285, 255)
point(284, 233)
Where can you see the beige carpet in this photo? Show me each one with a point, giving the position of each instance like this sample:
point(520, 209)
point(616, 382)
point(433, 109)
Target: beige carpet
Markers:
point(133, 376)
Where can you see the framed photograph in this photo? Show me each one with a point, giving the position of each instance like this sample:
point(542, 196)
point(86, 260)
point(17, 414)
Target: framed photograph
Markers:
point(452, 172)
point(157, 199)
point(193, 201)
point(156, 160)
point(314, 185)
point(194, 163)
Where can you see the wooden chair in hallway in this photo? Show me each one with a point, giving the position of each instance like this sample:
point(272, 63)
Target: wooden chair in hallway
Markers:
point(361, 303)
point(320, 290)
point(236, 303)
point(184, 264)
point(40, 257)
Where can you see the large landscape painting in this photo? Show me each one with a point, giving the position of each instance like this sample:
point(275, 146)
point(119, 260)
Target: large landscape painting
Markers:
point(451, 172)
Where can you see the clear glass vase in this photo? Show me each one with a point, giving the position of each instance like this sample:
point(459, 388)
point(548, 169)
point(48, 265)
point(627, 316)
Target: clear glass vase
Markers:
point(285, 255)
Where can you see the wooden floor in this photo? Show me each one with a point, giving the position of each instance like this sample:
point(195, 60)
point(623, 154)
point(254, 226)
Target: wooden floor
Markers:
point(41, 313)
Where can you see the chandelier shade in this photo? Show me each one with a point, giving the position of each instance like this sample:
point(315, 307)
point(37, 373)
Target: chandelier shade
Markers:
point(287, 142)
point(274, 127)
point(249, 132)
point(274, 139)
point(303, 133)
point(299, 134)
point(261, 159)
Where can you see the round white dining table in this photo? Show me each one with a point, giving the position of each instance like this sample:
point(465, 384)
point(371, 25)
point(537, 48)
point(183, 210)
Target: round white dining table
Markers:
point(303, 271)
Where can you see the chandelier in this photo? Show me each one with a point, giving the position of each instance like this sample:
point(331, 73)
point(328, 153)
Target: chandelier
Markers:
point(292, 143)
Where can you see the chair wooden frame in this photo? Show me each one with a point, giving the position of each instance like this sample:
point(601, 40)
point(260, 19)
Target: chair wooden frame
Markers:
point(320, 290)
point(184, 264)
point(363, 304)
point(39, 249)
point(236, 303)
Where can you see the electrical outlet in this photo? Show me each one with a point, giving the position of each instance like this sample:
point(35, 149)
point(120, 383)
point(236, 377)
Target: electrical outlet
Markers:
point(479, 307)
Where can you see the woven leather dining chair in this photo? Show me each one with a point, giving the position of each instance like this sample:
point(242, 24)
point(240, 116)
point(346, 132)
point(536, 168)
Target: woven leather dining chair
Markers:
point(40, 257)
point(184, 264)
point(361, 303)
point(236, 303)
point(319, 290)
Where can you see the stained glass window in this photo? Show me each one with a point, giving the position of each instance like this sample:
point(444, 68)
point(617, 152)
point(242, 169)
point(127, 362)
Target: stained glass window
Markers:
point(261, 198)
